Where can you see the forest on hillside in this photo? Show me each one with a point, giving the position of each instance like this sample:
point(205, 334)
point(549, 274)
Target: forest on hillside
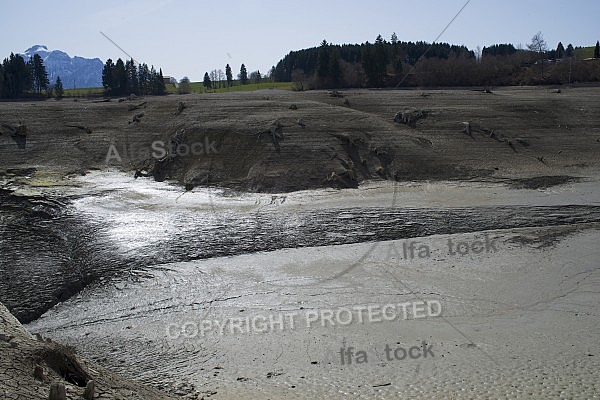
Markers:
point(395, 63)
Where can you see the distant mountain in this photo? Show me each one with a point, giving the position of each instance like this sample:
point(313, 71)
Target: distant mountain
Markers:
point(76, 72)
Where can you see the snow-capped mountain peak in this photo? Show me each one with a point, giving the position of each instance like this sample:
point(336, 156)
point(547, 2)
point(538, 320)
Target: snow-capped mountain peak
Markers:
point(38, 48)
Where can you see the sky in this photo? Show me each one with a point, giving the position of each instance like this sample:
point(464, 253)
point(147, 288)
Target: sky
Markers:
point(189, 38)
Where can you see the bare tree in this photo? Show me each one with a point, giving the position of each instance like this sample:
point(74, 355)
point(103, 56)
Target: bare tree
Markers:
point(298, 78)
point(214, 77)
point(539, 45)
point(221, 76)
point(184, 86)
point(255, 76)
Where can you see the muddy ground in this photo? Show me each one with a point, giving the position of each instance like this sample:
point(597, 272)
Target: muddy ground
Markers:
point(284, 141)
point(73, 216)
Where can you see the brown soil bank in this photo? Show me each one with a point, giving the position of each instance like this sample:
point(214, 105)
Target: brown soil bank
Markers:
point(31, 368)
point(285, 141)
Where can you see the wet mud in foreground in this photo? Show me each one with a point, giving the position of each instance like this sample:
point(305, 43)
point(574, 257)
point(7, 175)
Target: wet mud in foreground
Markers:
point(52, 250)
point(512, 323)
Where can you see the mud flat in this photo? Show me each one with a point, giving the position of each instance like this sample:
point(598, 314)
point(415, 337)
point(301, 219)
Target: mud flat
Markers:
point(516, 322)
point(517, 309)
point(109, 224)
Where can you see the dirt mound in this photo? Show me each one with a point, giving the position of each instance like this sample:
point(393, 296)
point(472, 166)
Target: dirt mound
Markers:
point(37, 368)
point(259, 142)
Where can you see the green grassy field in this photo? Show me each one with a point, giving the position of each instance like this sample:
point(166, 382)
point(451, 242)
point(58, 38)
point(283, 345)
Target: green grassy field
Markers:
point(83, 92)
point(198, 87)
point(584, 52)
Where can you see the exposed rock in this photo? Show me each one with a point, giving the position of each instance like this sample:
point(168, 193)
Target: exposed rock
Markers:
point(72, 378)
point(136, 118)
point(410, 117)
point(180, 107)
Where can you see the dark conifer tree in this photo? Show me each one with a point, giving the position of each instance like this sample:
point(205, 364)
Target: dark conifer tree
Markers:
point(39, 76)
point(560, 50)
point(229, 75)
point(58, 88)
point(335, 71)
point(16, 76)
point(119, 78)
point(132, 77)
point(380, 62)
point(144, 79)
point(243, 75)
point(570, 52)
point(107, 76)
point(161, 89)
point(323, 60)
point(207, 82)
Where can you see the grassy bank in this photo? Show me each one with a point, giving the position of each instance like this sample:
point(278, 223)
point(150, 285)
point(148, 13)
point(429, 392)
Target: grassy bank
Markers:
point(198, 87)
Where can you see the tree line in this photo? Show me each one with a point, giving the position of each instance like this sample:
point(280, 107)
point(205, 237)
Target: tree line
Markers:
point(218, 79)
point(395, 63)
point(20, 78)
point(124, 78)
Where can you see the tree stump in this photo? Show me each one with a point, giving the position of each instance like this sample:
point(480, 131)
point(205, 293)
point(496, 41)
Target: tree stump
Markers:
point(57, 391)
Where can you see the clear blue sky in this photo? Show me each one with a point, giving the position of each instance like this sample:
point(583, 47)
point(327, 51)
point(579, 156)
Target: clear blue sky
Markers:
point(187, 37)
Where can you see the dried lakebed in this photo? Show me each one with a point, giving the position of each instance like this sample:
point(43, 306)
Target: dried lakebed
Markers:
point(158, 261)
point(54, 246)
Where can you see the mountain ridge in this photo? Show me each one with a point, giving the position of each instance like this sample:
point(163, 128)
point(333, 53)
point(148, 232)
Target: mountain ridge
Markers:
point(74, 72)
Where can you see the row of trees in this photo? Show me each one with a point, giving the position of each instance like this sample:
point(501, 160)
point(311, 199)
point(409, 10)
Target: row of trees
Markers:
point(124, 78)
point(538, 44)
point(218, 79)
point(19, 78)
point(392, 63)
